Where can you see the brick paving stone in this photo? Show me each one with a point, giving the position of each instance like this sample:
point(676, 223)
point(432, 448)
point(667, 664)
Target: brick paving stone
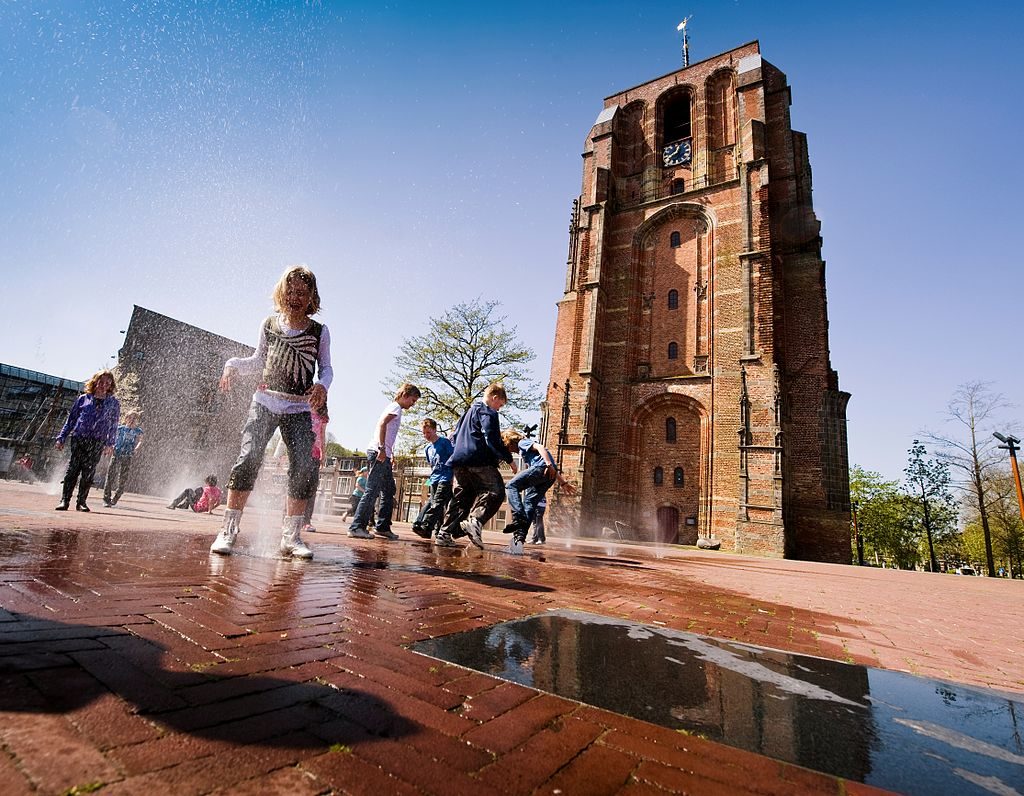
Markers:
point(12, 781)
point(347, 773)
point(507, 731)
point(500, 699)
point(421, 770)
point(291, 781)
point(597, 770)
point(51, 754)
point(128, 680)
point(523, 770)
point(400, 682)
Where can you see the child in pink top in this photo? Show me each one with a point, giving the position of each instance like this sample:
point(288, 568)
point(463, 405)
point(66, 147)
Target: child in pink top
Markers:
point(318, 419)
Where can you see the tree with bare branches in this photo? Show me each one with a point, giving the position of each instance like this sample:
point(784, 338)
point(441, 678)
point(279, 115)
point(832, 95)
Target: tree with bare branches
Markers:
point(970, 451)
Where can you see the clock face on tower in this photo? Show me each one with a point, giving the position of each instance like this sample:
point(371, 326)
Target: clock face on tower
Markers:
point(678, 153)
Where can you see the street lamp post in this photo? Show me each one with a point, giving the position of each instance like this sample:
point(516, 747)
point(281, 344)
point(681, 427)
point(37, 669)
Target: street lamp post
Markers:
point(1011, 443)
point(857, 536)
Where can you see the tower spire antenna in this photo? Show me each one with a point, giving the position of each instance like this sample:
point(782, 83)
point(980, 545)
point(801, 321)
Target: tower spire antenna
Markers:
point(681, 27)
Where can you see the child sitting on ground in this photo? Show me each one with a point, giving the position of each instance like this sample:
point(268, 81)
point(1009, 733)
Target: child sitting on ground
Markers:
point(201, 499)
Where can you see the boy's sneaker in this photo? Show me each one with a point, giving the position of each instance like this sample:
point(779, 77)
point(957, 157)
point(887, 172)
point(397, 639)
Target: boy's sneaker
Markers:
point(471, 527)
point(226, 538)
point(515, 547)
point(385, 533)
point(82, 507)
point(445, 540)
point(359, 533)
point(420, 531)
point(307, 528)
point(107, 504)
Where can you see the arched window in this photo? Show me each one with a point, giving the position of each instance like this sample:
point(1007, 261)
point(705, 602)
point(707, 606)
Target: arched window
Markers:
point(673, 299)
point(670, 429)
point(677, 117)
point(673, 351)
point(677, 477)
point(659, 476)
point(673, 240)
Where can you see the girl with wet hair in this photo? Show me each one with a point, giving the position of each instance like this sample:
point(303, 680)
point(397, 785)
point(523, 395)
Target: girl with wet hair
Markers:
point(294, 356)
point(90, 431)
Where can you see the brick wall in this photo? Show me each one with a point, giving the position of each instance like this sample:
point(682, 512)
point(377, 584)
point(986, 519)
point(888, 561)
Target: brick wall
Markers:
point(759, 421)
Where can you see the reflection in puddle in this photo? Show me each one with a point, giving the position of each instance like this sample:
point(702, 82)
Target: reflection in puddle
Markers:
point(887, 729)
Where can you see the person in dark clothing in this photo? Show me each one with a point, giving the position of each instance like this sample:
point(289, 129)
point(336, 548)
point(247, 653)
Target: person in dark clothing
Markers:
point(479, 488)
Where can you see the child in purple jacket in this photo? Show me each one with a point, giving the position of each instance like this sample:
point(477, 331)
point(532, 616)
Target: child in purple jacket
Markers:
point(90, 430)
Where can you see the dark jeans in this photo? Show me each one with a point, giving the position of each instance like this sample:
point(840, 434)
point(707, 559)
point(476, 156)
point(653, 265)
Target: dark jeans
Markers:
point(187, 499)
point(380, 480)
point(432, 514)
point(524, 493)
point(297, 434)
point(85, 455)
point(118, 473)
point(538, 525)
point(479, 493)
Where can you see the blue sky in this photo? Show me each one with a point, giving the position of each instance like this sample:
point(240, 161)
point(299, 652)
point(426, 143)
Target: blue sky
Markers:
point(178, 156)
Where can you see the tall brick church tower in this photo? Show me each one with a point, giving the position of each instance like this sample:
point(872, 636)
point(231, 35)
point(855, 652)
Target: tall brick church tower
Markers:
point(691, 392)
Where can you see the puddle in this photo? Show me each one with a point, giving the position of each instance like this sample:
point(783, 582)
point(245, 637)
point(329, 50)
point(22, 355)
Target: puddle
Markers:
point(886, 729)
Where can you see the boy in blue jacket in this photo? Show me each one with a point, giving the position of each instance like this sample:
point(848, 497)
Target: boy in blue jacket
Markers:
point(438, 451)
point(479, 488)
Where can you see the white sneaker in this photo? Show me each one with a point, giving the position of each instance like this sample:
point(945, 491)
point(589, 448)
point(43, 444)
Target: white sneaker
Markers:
point(291, 543)
point(515, 547)
point(226, 538)
point(472, 528)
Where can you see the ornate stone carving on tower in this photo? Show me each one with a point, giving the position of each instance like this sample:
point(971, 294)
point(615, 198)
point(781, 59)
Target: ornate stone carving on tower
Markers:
point(694, 307)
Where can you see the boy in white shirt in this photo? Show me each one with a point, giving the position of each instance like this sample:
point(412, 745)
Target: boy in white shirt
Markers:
point(380, 479)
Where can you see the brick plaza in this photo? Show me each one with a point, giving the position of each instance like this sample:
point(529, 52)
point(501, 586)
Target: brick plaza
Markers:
point(133, 661)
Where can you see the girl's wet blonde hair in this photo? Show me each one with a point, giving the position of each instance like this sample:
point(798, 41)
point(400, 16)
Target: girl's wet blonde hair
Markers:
point(304, 275)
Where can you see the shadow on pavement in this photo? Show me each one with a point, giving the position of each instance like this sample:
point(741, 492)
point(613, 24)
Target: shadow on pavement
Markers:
point(61, 668)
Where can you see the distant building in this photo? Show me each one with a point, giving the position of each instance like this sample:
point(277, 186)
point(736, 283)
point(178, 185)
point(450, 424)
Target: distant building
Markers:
point(190, 428)
point(33, 407)
point(692, 396)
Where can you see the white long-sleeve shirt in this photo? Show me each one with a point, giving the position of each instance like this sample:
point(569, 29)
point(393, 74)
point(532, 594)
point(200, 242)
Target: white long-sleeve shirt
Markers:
point(276, 402)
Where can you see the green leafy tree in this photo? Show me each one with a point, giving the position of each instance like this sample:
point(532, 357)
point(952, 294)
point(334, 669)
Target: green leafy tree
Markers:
point(885, 519)
point(927, 485)
point(463, 351)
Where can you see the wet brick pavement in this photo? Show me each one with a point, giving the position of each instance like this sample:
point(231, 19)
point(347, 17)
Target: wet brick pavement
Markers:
point(133, 660)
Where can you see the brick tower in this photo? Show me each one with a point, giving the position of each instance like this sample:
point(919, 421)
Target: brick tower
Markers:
point(691, 392)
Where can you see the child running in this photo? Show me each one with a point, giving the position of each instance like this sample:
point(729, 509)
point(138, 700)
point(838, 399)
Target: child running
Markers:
point(529, 487)
point(91, 430)
point(380, 479)
point(437, 453)
point(291, 348)
point(479, 488)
